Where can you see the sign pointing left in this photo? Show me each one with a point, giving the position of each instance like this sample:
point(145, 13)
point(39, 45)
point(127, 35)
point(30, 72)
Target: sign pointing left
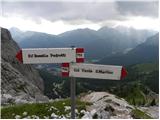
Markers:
point(19, 56)
point(50, 55)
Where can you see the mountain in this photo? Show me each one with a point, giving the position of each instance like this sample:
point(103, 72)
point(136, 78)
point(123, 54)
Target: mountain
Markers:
point(104, 42)
point(40, 40)
point(148, 51)
point(20, 83)
point(19, 35)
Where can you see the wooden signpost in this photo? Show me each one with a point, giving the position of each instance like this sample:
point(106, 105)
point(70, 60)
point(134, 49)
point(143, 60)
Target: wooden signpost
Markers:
point(72, 66)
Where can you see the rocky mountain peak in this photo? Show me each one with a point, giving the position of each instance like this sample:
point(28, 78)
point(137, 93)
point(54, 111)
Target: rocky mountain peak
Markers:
point(20, 83)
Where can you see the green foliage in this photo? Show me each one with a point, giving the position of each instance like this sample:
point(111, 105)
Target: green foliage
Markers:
point(142, 79)
point(135, 93)
point(138, 114)
point(135, 96)
point(41, 109)
point(146, 67)
point(147, 74)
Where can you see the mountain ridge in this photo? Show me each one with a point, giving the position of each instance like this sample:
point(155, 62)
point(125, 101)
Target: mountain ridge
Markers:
point(147, 51)
point(97, 44)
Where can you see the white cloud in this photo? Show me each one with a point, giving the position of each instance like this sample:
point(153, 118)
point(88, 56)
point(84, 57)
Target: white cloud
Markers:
point(60, 26)
point(93, 11)
point(45, 26)
point(140, 22)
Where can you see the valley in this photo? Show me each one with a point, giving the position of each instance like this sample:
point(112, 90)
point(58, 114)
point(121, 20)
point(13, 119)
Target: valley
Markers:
point(137, 96)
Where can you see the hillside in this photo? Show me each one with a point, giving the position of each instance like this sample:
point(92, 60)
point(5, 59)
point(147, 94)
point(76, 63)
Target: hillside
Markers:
point(142, 81)
point(148, 51)
point(20, 83)
point(146, 73)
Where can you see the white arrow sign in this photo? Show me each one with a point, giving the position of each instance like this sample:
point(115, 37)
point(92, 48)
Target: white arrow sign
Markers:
point(83, 70)
point(50, 55)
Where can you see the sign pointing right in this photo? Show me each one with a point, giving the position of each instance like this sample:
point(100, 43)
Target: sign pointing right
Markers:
point(83, 70)
point(123, 73)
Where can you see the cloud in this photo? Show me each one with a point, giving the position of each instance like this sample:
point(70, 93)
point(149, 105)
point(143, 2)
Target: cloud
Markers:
point(73, 11)
point(141, 8)
point(57, 16)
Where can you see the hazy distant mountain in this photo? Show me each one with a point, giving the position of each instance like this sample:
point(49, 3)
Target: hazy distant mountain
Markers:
point(145, 52)
point(15, 32)
point(19, 35)
point(104, 42)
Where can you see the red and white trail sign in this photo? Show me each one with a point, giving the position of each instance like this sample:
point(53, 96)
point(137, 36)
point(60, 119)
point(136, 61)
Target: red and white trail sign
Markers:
point(50, 55)
point(83, 70)
point(72, 66)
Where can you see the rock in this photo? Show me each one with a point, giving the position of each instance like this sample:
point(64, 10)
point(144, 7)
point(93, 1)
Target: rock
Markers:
point(87, 115)
point(82, 111)
point(76, 111)
point(17, 117)
point(46, 117)
point(106, 106)
point(35, 117)
point(52, 108)
point(25, 113)
point(152, 111)
point(20, 83)
point(67, 108)
point(101, 114)
point(54, 116)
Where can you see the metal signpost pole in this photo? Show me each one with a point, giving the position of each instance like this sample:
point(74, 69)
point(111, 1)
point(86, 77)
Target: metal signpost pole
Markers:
point(73, 90)
point(73, 98)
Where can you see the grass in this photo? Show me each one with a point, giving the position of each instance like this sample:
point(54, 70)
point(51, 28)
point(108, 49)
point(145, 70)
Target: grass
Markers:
point(138, 114)
point(136, 98)
point(42, 109)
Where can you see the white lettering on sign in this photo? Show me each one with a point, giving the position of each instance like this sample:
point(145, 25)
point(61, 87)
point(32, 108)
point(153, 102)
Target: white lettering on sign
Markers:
point(83, 70)
point(48, 55)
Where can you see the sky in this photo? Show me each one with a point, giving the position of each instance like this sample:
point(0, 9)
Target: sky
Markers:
point(58, 16)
